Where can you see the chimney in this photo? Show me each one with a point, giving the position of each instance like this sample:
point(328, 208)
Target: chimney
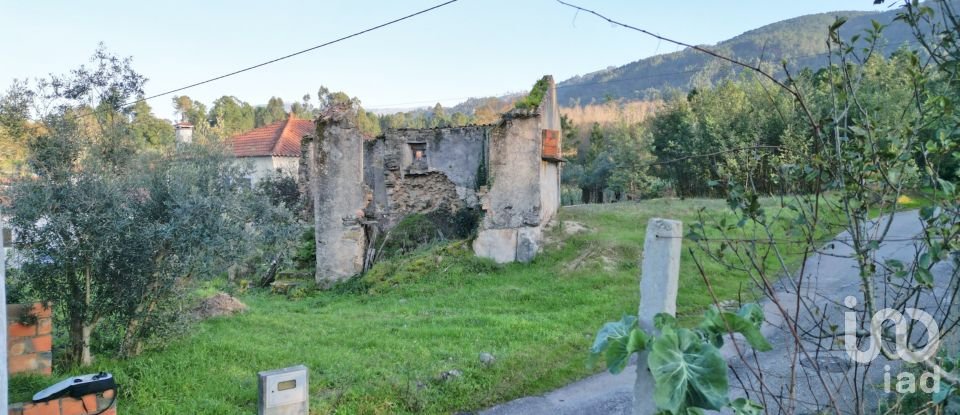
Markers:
point(184, 131)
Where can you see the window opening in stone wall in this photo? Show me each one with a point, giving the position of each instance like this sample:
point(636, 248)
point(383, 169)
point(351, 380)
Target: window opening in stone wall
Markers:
point(419, 153)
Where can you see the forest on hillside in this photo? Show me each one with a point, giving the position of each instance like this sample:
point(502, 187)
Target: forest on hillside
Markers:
point(799, 42)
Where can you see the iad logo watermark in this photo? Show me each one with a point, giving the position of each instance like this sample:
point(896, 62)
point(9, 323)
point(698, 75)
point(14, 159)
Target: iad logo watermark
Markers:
point(907, 382)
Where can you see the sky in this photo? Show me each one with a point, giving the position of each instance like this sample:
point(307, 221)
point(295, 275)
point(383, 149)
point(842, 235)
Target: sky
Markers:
point(465, 49)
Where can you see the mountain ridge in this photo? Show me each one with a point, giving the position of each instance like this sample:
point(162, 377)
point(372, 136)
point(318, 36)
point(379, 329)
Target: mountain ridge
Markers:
point(801, 41)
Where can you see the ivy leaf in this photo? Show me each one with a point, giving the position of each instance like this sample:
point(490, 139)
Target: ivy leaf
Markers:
point(687, 371)
point(743, 406)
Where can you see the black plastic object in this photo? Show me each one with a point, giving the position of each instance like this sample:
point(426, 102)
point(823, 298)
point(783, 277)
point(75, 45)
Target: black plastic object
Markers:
point(77, 386)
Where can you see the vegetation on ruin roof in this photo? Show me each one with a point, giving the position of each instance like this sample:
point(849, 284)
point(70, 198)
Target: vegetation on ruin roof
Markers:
point(535, 97)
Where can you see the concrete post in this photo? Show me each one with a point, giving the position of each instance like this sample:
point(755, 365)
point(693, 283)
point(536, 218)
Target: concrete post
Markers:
point(659, 275)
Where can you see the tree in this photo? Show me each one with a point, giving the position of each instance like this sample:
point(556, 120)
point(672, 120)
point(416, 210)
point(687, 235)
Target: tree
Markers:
point(114, 235)
point(148, 130)
point(230, 116)
point(273, 112)
point(15, 125)
point(459, 119)
point(438, 117)
point(194, 112)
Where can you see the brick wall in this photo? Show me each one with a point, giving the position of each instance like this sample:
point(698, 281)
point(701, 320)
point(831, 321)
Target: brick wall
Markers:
point(89, 404)
point(29, 339)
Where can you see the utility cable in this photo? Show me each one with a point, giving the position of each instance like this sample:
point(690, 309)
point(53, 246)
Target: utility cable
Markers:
point(262, 64)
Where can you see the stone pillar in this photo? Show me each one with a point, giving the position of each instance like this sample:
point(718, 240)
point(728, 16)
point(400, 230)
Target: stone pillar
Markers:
point(336, 187)
point(659, 276)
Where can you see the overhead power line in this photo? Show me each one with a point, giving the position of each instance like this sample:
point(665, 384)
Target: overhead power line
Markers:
point(581, 84)
point(262, 64)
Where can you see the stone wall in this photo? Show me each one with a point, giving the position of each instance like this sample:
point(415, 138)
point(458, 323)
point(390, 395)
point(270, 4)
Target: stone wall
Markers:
point(361, 187)
point(445, 176)
point(29, 339)
point(524, 192)
point(338, 194)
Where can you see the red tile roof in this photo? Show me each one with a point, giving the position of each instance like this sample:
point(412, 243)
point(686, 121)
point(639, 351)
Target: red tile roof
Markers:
point(281, 138)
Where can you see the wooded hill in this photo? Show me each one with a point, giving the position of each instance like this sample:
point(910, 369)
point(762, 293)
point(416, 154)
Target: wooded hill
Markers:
point(801, 41)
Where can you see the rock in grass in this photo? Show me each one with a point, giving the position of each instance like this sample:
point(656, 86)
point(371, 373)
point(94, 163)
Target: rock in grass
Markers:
point(450, 375)
point(221, 304)
point(487, 359)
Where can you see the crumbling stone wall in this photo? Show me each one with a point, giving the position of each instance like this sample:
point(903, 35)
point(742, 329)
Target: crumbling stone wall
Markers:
point(446, 176)
point(361, 187)
point(524, 192)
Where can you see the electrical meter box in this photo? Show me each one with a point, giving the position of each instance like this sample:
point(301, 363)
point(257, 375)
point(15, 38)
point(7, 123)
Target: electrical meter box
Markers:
point(284, 392)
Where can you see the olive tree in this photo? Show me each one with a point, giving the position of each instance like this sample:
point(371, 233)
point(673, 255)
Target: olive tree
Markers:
point(115, 235)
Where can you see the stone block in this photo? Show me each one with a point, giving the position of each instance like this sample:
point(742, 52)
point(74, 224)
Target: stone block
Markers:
point(528, 243)
point(499, 245)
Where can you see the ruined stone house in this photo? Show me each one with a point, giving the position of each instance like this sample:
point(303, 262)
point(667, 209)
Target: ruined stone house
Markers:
point(362, 186)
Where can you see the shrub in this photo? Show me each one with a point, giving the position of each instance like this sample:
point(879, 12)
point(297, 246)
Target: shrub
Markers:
point(535, 97)
point(305, 257)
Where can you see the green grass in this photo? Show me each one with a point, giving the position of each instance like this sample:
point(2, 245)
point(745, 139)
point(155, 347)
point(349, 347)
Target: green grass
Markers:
point(380, 346)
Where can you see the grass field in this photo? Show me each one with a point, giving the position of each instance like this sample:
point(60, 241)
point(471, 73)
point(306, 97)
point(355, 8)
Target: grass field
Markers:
point(379, 345)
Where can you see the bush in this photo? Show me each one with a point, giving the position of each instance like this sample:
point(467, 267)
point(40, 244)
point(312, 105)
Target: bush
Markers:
point(418, 230)
point(305, 257)
point(411, 233)
point(281, 189)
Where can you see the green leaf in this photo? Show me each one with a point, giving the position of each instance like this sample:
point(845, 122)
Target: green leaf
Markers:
point(664, 320)
point(924, 277)
point(942, 393)
point(639, 340)
point(743, 406)
point(620, 349)
point(617, 355)
point(947, 187)
point(837, 23)
point(617, 341)
point(747, 322)
point(687, 372)
point(612, 331)
point(857, 130)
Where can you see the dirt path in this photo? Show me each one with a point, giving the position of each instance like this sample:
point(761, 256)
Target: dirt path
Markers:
point(828, 279)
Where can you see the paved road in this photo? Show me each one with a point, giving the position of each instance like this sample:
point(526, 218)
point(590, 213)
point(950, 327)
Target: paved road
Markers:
point(829, 277)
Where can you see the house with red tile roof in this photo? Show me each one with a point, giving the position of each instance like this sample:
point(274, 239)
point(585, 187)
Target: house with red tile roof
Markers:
point(272, 147)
